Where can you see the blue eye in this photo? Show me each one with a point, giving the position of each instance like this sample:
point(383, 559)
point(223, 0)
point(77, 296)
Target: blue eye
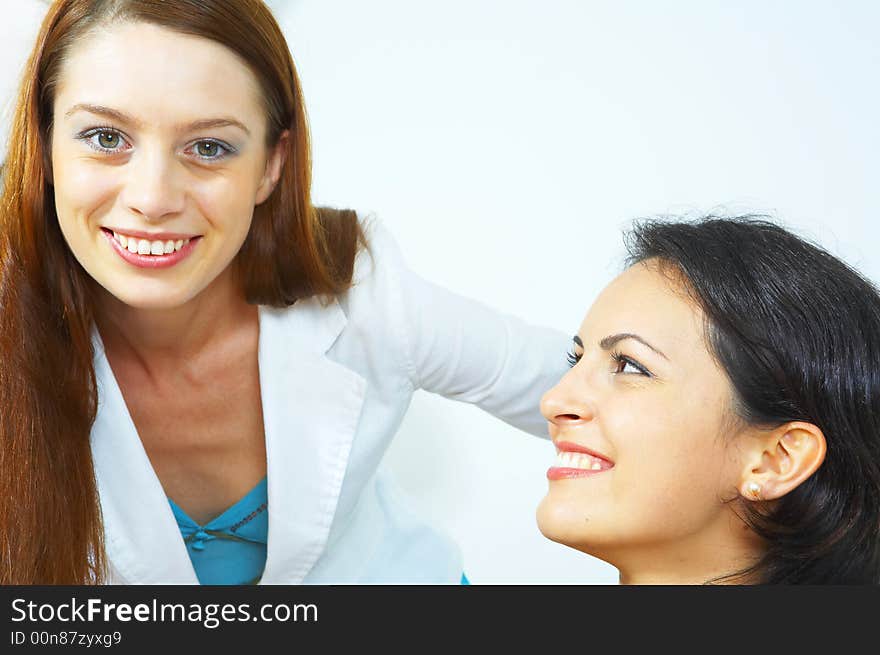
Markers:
point(572, 358)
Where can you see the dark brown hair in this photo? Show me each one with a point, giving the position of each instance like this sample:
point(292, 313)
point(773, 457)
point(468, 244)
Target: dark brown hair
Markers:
point(797, 332)
point(50, 521)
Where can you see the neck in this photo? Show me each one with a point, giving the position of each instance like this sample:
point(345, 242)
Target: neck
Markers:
point(681, 575)
point(166, 335)
point(728, 548)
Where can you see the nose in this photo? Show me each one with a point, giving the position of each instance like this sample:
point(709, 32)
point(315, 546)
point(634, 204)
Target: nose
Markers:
point(569, 403)
point(153, 188)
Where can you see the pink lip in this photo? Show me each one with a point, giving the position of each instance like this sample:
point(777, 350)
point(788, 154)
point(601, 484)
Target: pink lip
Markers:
point(558, 473)
point(561, 473)
point(151, 261)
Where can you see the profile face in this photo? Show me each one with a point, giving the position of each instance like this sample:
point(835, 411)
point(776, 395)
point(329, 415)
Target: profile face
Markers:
point(158, 160)
point(646, 451)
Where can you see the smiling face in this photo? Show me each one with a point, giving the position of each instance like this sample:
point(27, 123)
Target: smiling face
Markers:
point(645, 414)
point(158, 160)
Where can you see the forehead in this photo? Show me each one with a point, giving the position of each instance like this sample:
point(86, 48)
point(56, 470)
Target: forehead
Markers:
point(652, 303)
point(157, 75)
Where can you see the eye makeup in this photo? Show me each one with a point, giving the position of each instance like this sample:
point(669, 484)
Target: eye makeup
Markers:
point(88, 136)
point(206, 150)
point(622, 361)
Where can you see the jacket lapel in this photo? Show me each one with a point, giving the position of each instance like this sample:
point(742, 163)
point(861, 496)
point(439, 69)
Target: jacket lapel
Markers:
point(141, 536)
point(311, 409)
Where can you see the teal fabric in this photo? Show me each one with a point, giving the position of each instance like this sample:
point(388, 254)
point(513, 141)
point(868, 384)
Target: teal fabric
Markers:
point(230, 549)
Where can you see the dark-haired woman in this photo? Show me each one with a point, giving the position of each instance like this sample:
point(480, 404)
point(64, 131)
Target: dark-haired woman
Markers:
point(721, 418)
point(199, 370)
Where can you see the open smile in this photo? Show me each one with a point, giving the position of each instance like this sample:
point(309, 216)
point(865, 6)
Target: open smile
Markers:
point(161, 251)
point(575, 461)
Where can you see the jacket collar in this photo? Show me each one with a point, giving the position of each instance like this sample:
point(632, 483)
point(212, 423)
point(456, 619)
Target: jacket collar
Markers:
point(311, 409)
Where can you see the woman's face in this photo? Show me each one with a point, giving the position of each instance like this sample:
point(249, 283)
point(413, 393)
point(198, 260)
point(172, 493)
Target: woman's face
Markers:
point(158, 159)
point(648, 401)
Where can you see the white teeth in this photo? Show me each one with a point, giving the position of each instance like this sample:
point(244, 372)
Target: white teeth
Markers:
point(145, 247)
point(572, 460)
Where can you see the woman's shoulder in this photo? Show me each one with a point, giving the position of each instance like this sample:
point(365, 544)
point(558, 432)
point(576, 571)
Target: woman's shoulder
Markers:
point(343, 236)
point(362, 243)
point(373, 307)
point(375, 300)
point(362, 255)
point(355, 239)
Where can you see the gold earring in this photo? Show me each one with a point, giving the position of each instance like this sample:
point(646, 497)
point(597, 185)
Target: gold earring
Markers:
point(754, 490)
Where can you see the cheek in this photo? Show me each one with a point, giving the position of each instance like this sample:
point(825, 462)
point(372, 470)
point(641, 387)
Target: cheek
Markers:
point(671, 469)
point(81, 188)
point(226, 201)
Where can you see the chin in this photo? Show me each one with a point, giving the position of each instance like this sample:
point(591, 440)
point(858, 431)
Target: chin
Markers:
point(561, 522)
point(152, 299)
point(567, 526)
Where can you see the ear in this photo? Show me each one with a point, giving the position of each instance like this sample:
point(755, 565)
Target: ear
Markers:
point(778, 461)
point(274, 166)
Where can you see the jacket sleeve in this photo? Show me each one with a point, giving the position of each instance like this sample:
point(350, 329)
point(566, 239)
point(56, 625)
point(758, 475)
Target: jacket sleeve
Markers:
point(464, 350)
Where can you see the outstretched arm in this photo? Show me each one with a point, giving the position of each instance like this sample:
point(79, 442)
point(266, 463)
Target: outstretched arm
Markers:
point(464, 350)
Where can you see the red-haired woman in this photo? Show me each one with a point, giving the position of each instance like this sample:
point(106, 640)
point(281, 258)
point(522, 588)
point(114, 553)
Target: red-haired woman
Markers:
point(189, 350)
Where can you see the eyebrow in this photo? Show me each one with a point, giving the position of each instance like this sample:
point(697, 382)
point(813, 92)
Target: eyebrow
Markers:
point(125, 118)
point(610, 341)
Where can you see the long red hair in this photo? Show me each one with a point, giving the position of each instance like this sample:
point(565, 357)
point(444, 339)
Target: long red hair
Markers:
point(50, 519)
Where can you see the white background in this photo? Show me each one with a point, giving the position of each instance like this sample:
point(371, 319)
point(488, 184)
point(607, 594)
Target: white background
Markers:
point(508, 144)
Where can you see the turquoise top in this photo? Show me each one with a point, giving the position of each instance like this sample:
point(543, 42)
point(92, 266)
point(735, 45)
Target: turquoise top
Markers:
point(230, 549)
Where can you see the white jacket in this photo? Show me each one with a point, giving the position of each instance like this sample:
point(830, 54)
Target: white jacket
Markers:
point(336, 381)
